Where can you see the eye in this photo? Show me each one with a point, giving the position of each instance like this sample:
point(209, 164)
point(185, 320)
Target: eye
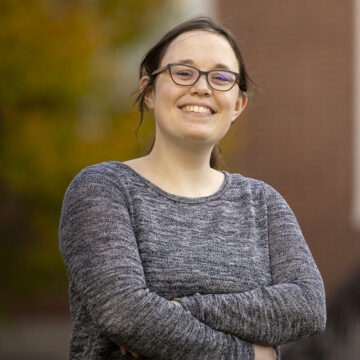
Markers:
point(222, 77)
point(184, 73)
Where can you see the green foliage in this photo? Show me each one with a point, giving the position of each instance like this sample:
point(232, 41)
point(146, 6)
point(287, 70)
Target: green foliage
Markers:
point(58, 113)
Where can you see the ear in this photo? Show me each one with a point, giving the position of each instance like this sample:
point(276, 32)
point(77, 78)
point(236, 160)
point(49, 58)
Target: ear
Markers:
point(240, 104)
point(149, 92)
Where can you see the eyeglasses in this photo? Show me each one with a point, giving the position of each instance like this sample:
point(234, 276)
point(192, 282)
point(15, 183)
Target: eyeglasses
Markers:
point(186, 75)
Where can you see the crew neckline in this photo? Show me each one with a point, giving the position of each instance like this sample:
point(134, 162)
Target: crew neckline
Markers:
point(180, 198)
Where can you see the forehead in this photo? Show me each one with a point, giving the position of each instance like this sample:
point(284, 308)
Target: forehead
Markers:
point(204, 48)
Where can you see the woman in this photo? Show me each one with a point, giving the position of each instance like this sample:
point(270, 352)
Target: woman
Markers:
point(169, 258)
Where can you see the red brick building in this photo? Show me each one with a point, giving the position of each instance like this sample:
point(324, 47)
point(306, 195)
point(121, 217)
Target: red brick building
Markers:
point(301, 134)
point(297, 132)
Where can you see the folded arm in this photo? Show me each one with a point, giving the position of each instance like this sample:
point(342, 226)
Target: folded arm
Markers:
point(102, 260)
point(292, 308)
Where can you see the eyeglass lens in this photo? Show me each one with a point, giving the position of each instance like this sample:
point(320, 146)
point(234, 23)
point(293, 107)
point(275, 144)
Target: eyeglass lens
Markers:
point(187, 75)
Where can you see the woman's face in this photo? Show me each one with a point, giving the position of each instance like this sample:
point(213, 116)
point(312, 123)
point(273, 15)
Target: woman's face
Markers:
point(196, 114)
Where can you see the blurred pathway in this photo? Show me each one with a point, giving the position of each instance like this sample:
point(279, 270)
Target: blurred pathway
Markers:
point(45, 338)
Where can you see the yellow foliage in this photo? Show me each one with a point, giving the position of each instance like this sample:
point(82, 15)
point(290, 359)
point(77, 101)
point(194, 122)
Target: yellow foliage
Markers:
point(47, 52)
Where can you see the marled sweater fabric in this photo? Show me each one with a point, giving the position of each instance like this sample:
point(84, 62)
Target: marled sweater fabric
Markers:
point(236, 260)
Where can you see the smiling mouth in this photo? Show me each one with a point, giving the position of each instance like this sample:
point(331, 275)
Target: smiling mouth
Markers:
point(197, 109)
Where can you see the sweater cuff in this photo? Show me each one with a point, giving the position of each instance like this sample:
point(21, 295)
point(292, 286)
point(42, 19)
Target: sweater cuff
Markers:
point(191, 304)
point(245, 350)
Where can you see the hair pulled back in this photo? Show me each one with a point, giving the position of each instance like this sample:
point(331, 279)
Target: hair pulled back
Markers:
point(153, 57)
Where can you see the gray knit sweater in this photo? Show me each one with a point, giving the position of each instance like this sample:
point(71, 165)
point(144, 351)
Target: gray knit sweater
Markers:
point(236, 260)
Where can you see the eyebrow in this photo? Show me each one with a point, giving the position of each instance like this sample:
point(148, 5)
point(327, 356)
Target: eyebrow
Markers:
point(191, 62)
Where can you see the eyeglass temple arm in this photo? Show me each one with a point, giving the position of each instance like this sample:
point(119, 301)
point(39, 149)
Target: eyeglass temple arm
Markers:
point(159, 70)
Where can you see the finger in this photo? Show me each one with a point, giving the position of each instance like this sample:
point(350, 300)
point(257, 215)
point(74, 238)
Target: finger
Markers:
point(176, 303)
point(134, 354)
point(123, 350)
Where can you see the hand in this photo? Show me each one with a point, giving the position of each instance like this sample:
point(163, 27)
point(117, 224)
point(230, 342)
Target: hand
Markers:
point(264, 352)
point(125, 351)
point(176, 303)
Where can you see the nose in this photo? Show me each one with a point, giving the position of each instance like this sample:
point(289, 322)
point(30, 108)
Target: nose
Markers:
point(201, 87)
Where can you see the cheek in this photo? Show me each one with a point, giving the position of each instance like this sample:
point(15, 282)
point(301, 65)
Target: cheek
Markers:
point(226, 100)
point(167, 97)
point(228, 107)
point(232, 97)
point(163, 95)
point(233, 100)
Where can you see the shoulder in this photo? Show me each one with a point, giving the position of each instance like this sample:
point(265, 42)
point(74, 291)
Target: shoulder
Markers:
point(96, 187)
point(246, 184)
point(105, 173)
point(101, 170)
point(244, 181)
point(261, 194)
point(257, 189)
point(103, 179)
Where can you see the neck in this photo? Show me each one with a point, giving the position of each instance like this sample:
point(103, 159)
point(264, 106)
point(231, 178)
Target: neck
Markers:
point(182, 169)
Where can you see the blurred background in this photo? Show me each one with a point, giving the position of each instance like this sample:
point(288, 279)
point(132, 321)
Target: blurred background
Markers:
point(67, 73)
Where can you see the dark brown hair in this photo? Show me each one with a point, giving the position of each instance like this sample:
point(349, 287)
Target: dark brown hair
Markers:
point(153, 57)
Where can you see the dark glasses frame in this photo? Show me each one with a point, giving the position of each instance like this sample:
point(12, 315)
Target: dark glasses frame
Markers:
point(199, 72)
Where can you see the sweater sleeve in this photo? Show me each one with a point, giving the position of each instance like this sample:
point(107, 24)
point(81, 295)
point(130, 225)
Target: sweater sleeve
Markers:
point(292, 308)
point(100, 252)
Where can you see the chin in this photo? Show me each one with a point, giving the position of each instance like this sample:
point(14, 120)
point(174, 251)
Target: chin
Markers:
point(198, 137)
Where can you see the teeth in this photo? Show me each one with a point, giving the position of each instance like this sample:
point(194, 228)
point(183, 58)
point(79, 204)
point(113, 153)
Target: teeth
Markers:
point(197, 109)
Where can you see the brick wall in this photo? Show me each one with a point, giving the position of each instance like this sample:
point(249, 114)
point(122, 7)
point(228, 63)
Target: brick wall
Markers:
point(296, 133)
